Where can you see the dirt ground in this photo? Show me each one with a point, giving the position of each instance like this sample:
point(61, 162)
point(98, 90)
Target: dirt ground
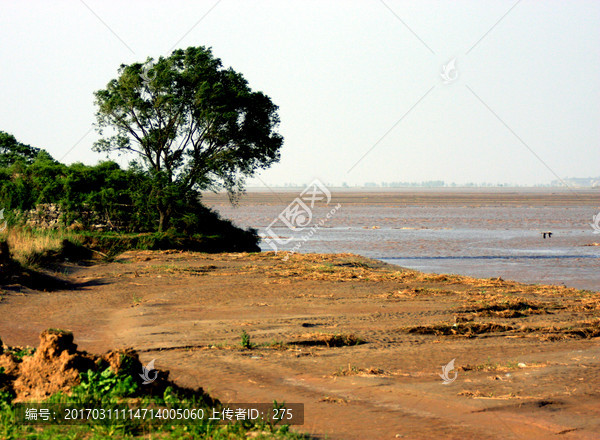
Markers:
point(360, 343)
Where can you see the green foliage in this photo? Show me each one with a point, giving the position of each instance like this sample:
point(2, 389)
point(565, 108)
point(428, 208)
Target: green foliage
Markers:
point(193, 124)
point(20, 353)
point(12, 151)
point(107, 390)
point(245, 340)
point(97, 386)
point(5, 397)
point(221, 237)
point(124, 200)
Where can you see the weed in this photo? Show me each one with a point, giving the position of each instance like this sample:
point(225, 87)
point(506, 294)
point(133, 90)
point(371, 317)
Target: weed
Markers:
point(352, 370)
point(276, 345)
point(21, 352)
point(59, 331)
point(468, 329)
point(136, 299)
point(112, 392)
point(347, 371)
point(490, 366)
point(245, 340)
point(326, 268)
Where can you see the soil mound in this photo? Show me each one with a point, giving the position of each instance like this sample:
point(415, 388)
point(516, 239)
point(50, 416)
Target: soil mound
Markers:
point(56, 365)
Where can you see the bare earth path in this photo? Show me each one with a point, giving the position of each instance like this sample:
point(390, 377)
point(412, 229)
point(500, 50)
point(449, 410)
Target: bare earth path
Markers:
point(527, 357)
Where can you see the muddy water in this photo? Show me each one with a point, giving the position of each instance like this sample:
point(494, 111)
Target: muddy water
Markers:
point(489, 238)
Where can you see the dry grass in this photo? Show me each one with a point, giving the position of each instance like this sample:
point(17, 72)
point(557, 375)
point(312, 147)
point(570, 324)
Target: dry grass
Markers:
point(576, 330)
point(477, 299)
point(352, 370)
point(175, 270)
point(328, 340)
point(509, 308)
point(327, 267)
point(353, 268)
point(493, 367)
point(413, 292)
point(330, 399)
point(585, 329)
point(25, 243)
point(479, 395)
point(467, 329)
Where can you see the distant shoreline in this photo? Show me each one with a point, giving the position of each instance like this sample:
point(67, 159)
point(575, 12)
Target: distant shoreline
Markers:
point(479, 196)
point(426, 188)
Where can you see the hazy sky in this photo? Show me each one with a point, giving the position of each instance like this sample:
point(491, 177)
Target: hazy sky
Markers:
point(350, 77)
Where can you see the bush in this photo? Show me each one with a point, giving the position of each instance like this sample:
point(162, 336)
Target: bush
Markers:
point(120, 200)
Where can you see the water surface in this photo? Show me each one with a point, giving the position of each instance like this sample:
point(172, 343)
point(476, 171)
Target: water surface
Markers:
point(478, 233)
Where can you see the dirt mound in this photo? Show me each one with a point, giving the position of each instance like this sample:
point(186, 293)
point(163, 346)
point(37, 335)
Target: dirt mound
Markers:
point(468, 329)
point(56, 365)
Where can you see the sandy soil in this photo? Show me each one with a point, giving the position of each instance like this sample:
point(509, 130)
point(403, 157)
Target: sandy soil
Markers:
point(526, 357)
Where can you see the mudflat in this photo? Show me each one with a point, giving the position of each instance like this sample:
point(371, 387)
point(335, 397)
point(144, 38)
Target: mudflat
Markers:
point(360, 343)
point(426, 196)
point(480, 232)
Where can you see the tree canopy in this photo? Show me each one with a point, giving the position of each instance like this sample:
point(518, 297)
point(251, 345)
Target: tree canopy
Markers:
point(106, 197)
point(192, 124)
point(12, 150)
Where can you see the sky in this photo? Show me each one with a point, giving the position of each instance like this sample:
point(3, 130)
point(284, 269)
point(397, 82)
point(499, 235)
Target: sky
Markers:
point(368, 91)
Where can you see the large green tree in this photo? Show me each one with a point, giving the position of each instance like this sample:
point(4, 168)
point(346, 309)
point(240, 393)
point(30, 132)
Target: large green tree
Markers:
point(194, 124)
point(11, 150)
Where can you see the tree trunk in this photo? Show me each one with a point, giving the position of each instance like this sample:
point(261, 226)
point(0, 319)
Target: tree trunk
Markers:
point(162, 220)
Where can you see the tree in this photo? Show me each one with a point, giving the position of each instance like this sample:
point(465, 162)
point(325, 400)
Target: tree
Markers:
point(12, 150)
point(194, 124)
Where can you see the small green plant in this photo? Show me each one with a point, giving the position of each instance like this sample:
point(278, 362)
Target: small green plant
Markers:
point(277, 345)
point(20, 353)
point(347, 371)
point(59, 331)
point(5, 398)
point(326, 268)
point(513, 365)
point(99, 385)
point(245, 340)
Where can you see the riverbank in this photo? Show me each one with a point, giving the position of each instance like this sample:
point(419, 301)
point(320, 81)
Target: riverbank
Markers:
point(359, 342)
